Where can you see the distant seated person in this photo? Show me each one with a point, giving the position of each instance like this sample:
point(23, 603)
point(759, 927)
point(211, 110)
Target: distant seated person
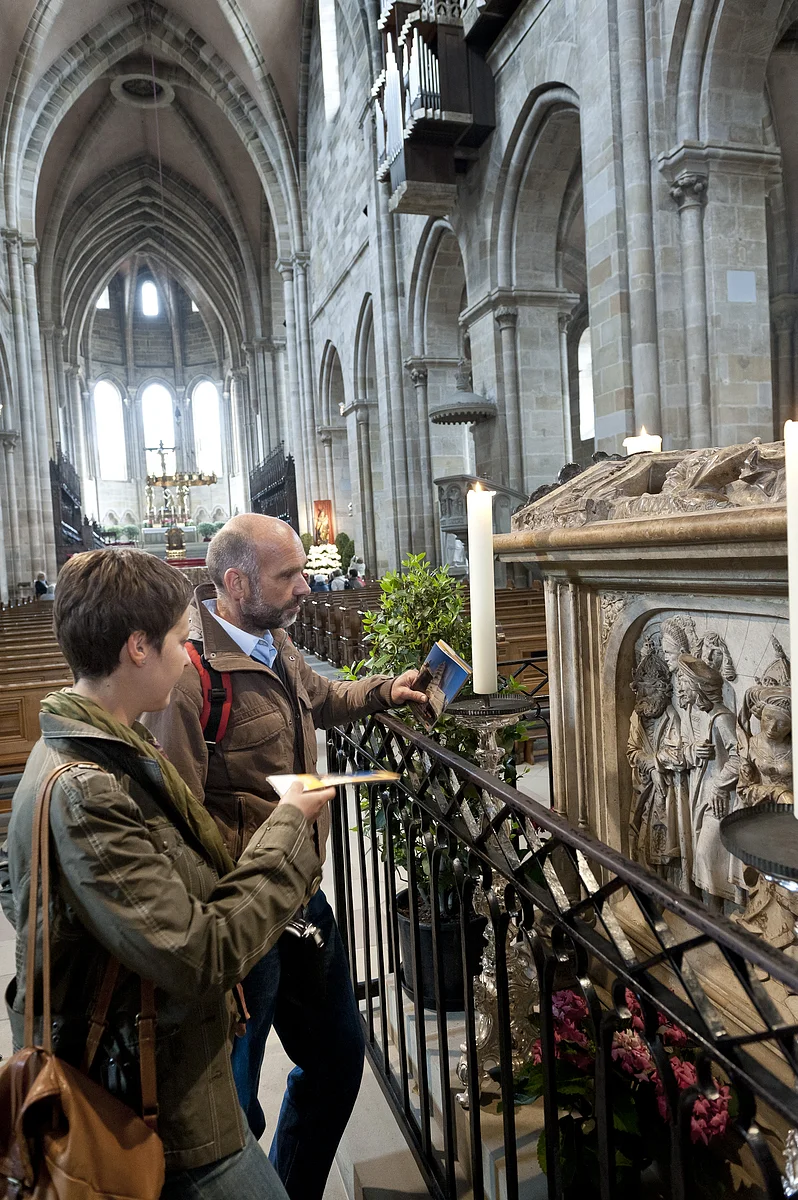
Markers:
point(40, 585)
point(320, 583)
point(354, 580)
point(337, 583)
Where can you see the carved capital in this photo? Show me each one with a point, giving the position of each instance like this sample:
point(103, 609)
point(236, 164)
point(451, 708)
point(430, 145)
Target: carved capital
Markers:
point(30, 251)
point(71, 371)
point(239, 373)
point(301, 260)
point(285, 268)
point(360, 408)
point(506, 317)
point(325, 433)
point(12, 237)
point(9, 439)
point(417, 370)
point(564, 320)
point(689, 189)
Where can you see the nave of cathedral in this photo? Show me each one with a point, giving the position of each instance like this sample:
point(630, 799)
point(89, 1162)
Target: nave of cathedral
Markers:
point(339, 262)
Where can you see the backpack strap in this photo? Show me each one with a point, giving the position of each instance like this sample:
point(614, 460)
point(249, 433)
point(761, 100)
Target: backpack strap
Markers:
point(217, 696)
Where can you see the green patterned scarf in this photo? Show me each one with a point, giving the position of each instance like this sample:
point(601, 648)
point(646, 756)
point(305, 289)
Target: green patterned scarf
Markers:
point(73, 707)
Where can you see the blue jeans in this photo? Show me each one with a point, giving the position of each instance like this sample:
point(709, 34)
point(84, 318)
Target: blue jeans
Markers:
point(307, 995)
point(245, 1175)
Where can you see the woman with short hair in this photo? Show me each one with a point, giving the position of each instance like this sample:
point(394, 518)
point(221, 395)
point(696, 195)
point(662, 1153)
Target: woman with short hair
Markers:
point(141, 874)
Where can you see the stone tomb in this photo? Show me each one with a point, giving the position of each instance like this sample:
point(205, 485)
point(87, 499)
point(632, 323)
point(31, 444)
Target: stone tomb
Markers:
point(669, 649)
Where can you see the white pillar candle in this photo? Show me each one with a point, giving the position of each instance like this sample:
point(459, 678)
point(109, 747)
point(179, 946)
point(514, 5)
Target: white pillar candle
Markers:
point(479, 506)
point(649, 442)
point(791, 462)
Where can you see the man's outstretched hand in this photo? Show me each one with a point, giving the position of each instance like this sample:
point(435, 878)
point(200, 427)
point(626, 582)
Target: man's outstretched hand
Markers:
point(402, 691)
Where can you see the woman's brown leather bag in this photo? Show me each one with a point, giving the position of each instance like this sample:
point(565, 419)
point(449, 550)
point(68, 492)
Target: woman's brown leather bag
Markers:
point(62, 1136)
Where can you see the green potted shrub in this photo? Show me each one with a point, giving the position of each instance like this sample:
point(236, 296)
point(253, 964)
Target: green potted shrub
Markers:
point(307, 541)
point(130, 532)
point(111, 534)
point(419, 606)
point(206, 530)
point(346, 548)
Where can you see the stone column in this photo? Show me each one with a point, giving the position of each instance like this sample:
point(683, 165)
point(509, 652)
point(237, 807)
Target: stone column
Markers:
point(255, 401)
point(11, 559)
point(563, 324)
point(31, 514)
point(507, 320)
point(301, 262)
point(358, 439)
point(45, 434)
point(296, 436)
point(77, 425)
point(783, 312)
point(689, 192)
point(326, 437)
point(239, 378)
point(639, 221)
point(417, 370)
point(394, 441)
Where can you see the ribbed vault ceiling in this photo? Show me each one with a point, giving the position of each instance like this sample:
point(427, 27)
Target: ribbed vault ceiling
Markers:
point(202, 185)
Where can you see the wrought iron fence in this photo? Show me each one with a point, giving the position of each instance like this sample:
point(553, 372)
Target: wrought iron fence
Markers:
point(590, 1031)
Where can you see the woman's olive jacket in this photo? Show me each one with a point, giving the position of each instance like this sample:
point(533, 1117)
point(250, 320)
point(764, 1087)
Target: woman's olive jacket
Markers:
point(129, 879)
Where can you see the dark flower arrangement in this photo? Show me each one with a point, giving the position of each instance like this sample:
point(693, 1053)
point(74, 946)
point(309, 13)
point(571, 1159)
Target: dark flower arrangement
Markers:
point(639, 1104)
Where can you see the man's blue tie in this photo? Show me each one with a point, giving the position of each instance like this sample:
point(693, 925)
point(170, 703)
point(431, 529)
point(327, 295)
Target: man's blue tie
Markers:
point(265, 651)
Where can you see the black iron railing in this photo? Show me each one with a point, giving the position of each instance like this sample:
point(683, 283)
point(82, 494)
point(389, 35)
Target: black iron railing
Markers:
point(695, 1004)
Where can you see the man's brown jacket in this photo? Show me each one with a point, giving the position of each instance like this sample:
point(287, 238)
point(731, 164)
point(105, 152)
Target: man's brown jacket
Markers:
point(271, 731)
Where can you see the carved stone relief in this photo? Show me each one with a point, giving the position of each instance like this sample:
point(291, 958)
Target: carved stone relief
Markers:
point(710, 732)
point(660, 485)
point(612, 605)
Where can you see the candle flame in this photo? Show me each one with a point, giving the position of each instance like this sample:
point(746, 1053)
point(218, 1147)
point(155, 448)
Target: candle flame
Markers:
point(477, 488)
point(643, 432)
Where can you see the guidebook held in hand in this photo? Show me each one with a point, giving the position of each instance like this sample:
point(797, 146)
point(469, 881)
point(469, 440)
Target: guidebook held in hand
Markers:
point(443, 673)
point(311, 783)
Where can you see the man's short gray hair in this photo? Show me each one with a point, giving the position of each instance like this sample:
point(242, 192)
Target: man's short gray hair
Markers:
point(228, 550)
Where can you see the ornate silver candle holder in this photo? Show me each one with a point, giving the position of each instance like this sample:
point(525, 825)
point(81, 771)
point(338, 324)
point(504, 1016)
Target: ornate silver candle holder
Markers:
point(487, 715)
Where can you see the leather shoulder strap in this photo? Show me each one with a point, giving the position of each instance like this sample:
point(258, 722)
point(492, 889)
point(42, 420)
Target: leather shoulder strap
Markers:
point(40, 864)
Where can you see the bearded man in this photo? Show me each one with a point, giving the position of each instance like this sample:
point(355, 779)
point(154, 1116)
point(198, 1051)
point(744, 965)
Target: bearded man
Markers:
point(661, 836)
point(238, 629)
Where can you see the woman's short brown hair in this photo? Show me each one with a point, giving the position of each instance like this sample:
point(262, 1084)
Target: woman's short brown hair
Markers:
point(105, 595)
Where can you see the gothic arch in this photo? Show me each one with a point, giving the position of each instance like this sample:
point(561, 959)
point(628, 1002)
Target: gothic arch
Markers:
point(535, 183)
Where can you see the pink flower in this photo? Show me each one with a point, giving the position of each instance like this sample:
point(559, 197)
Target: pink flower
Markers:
point(673, 1038)
point(709, 1118)
point(631, 1054)
point(633, 1004)
point(568, 1006)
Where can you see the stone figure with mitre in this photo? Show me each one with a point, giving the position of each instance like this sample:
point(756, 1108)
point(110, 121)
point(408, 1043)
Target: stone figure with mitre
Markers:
point(715, 766)
point(660, 827)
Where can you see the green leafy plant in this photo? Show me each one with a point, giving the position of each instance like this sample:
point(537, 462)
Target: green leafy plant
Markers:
point(111, 533)
point(130, 532)
point(346, 548)
point(206, 529)
point(307, 541)
point(218, 525)
point(419, 606)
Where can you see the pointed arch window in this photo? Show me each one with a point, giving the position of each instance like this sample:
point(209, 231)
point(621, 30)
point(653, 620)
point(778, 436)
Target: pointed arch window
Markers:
point(104, 298)
point(587, 410)
point(158, 419)
point(150, 303)
point(109, 423)
point(207, 427)
point(328, 36)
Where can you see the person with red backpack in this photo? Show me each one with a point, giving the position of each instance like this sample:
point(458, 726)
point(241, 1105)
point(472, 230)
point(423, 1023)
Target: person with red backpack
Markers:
point(247, 707)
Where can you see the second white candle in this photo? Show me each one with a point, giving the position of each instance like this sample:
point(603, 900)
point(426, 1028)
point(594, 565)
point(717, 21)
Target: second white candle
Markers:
point(479, 507)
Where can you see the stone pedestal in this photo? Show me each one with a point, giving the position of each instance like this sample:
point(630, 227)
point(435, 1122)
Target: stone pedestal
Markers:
point(669, 648)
